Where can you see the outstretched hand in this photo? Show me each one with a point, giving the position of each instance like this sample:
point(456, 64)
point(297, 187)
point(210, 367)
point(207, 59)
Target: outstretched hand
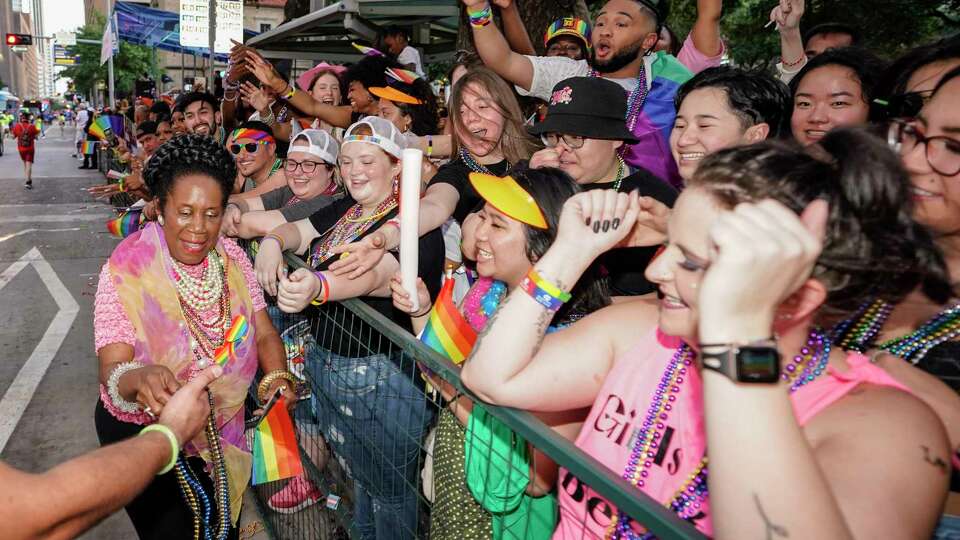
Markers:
point(650, 228)
point(186, 412)
point(358, 258)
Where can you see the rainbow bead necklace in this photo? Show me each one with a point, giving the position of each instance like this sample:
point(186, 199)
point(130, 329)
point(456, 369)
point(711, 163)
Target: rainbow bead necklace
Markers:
point(859, 332)
point(809, 364)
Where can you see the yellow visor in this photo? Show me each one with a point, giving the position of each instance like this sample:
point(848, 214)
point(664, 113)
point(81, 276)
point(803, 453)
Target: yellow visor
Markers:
point(394, 95)
point(506, 195)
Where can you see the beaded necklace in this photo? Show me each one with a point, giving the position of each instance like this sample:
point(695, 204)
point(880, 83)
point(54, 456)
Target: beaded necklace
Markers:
point(206, 335)
point(691, 495)
point(859, 332)
point(621, 172)
point(348, 228)
point(636, 100)
point(473, 164)
point(483, 302)
point(196, 496)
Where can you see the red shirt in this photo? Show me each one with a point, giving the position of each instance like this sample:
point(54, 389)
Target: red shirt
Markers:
point(25, 133)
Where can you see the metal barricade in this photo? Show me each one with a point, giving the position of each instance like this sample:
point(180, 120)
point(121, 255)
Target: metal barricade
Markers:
point(389, 459)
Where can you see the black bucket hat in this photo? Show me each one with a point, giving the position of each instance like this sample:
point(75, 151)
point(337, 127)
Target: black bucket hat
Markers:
point(590, 107)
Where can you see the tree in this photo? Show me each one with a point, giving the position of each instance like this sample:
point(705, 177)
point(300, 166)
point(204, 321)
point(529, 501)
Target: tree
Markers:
point(132, 62)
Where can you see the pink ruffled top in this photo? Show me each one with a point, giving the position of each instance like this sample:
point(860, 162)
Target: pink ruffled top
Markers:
point(111, 325)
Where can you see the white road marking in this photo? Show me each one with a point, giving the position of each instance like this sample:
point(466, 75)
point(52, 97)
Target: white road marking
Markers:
point(54, 218)
point(21, 390)
point(25, 231)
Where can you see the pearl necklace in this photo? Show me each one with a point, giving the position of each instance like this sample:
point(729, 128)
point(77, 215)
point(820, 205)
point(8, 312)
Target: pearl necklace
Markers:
point(203, 292)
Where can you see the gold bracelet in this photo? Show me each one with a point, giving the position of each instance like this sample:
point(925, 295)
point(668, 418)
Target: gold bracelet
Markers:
point(269, 378)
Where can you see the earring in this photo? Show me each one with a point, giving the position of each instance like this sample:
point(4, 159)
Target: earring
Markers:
point(160, 220)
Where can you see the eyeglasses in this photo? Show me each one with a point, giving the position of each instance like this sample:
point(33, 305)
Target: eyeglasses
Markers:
point(553, 139)
point(250, 147)
point(563, 49)
point(308, 167)
point(942, 152)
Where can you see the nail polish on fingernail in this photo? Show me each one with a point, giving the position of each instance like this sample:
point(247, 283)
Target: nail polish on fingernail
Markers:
point(596, 226)
point(616, 223)
point(606, 225)
point(588, 221)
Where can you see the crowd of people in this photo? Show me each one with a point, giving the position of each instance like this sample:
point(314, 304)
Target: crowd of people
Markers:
point(657, 253)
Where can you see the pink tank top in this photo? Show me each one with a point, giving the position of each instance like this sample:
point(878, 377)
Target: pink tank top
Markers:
point(611, 428)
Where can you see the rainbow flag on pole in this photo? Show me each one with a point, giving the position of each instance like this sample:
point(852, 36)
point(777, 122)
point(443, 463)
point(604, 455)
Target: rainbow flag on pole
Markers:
point(275, 453)
point(447, 332)
point(88, 148)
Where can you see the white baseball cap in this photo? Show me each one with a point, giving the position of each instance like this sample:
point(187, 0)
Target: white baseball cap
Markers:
point(384, 134)
point(319, 144)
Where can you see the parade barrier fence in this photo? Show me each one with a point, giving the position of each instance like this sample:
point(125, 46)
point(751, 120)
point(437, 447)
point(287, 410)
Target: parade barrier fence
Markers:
point(366, 426)
point(363, 435)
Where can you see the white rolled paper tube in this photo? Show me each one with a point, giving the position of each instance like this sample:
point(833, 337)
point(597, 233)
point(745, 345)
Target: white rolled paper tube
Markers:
point(410, 222)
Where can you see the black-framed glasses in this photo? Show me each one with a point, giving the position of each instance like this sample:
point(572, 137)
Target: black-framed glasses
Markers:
point(942, 152)
point(553, 139)
point(250, 147)
point(308, 167)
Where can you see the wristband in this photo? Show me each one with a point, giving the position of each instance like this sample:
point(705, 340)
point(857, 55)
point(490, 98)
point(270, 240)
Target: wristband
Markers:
point(324, 289)
point(291, 90)
point(481, 18)
point(274, 237)
point(545, 293)
point(174, 444)
point(429, 145)
point(797, 62)
point(237, 206)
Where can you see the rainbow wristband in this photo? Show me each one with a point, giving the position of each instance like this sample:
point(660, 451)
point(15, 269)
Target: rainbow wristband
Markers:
point(290, 92)
point(545, 293)
point(324, 289)
point(174, 444)
point(481, 18)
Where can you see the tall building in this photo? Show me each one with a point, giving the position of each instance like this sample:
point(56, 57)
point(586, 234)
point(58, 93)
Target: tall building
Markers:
point(19, 70)
point(258, 15)
point(44, 50)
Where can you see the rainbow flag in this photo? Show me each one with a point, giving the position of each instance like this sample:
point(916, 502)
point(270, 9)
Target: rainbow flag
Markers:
point(105, 125)
point(126, 223)
point(447, 332)
point(402, 75)
point(236, 334)
point(88, 148)
point(367, 51)
point(656, 118)
point(275, 453)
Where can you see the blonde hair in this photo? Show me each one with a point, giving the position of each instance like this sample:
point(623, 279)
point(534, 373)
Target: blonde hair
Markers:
point(515, 142)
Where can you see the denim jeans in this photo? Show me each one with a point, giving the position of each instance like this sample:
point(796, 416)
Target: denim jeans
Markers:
point(948, 528)
point(375, 419)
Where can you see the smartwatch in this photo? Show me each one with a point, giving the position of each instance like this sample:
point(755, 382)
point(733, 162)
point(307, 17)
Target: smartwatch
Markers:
point(755, 362)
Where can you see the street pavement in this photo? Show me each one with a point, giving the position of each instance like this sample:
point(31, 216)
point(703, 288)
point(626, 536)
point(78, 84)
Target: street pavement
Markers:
point(53, 242)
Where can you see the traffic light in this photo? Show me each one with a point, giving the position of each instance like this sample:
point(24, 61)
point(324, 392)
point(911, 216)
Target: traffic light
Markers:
point(19, 39)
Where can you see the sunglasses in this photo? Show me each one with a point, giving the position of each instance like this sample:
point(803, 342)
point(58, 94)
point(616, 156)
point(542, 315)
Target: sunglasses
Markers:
point(250, 147)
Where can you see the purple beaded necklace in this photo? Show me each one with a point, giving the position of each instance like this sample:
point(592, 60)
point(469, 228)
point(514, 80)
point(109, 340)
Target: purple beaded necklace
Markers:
point(687, 501)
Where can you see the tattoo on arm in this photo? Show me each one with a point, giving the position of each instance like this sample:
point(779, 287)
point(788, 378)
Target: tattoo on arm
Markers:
point(772, 529)
point(541, 328)
point(934, 460)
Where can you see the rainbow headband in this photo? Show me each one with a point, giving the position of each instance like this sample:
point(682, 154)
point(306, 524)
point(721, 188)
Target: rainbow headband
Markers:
point(506, 195)
point(252, 134)
point(568, 26)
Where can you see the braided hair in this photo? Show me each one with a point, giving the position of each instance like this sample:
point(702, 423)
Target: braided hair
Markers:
point(189, 154)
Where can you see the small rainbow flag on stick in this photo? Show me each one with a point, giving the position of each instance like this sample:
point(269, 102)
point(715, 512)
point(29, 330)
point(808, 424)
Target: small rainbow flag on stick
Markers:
point(106, 124)
point(403, 75)
point(126, 223)
point(275, 453)
point(88, 148)
point(447, 332)
point(367, 51)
